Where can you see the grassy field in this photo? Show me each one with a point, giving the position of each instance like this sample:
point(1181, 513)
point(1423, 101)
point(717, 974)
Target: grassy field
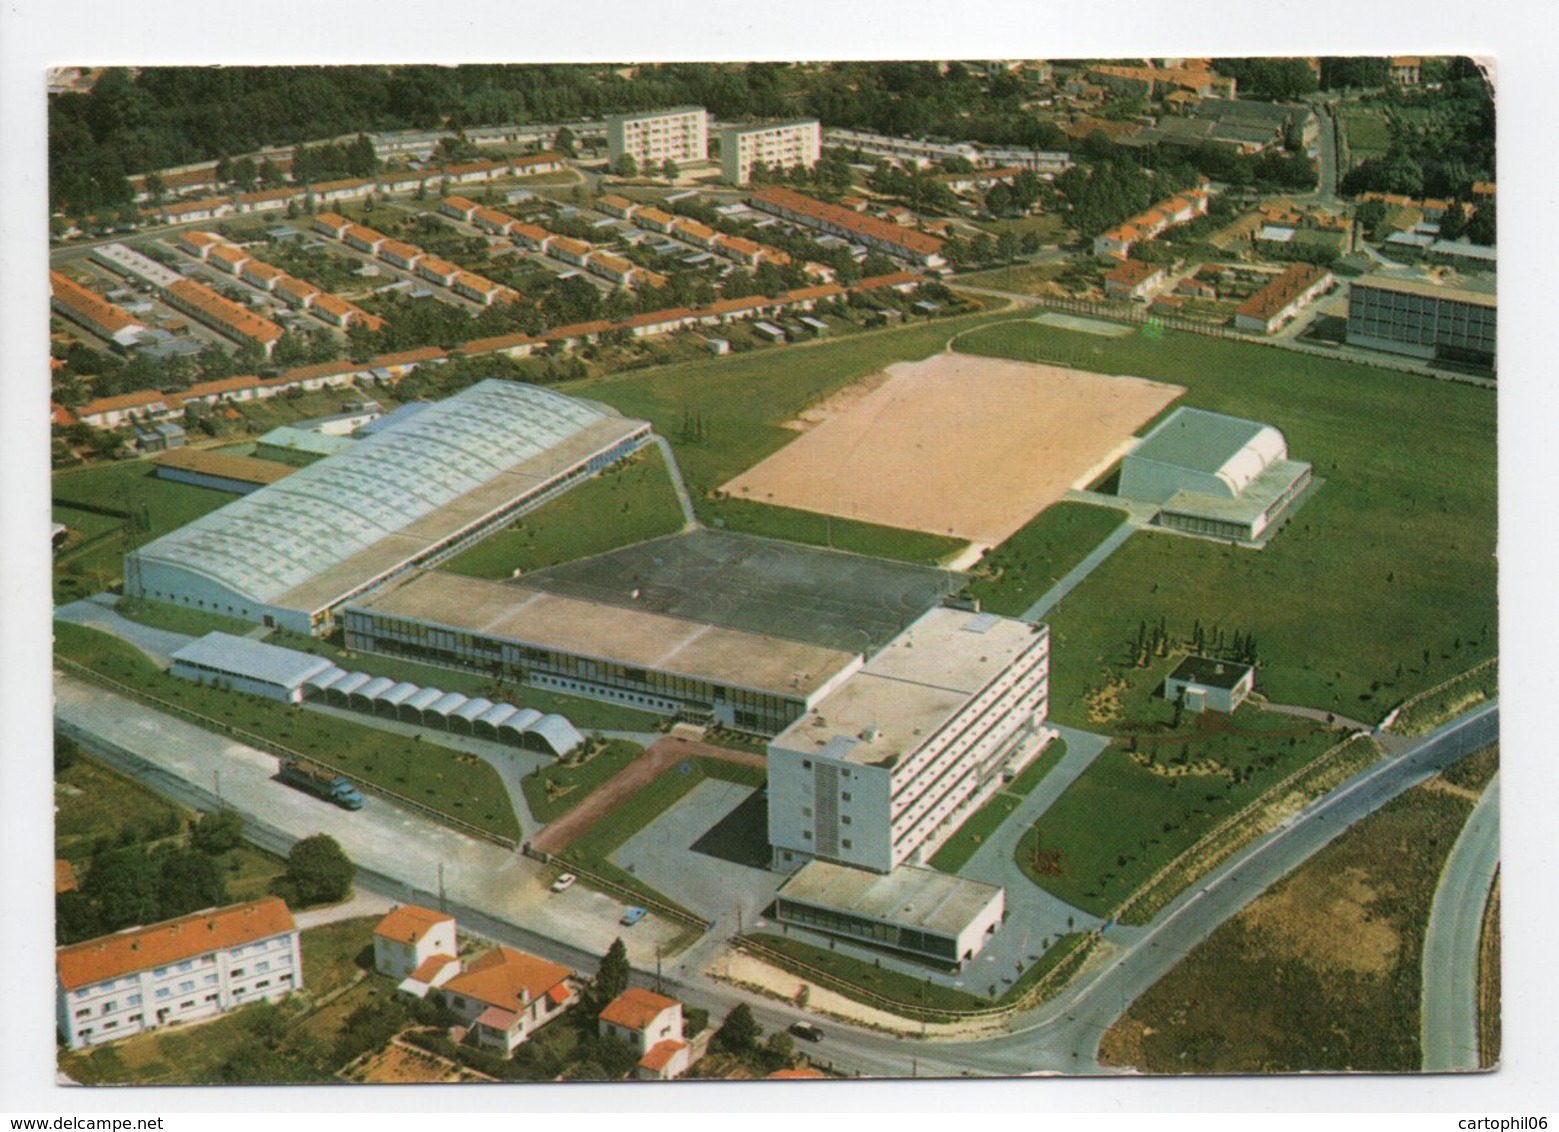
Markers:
point(1014, 575)
point(1381, 586)
point(812, 529)
point(128, 486)
point(1022, 278)
point(1321, 973)
point(557, 789)
point(625, 504)
point(95, 804)
point(457, 784)
point(1366, 129)
point(178, 619)
point(979, 826)
point(1130, 813)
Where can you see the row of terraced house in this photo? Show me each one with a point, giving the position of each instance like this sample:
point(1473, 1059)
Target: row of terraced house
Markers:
point(564, 249)
point(218, 206)
point(228, 257)
point(409, 257)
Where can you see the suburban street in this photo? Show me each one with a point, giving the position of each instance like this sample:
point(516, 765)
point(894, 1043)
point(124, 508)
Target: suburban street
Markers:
point(493, 891)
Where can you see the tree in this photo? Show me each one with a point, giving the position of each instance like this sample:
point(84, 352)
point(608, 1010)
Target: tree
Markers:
point(626, 166)
point(123, 886)
point(218, 832)
point(612, 977)
point(739, 1033)
point(1481, 228)
point(564, 142)
point(320, 873)
point(779, 1049)
point(187, 880)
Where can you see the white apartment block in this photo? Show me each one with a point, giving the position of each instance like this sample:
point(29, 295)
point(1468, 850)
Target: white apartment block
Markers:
point(650, 137)
point(176, 971)
point(779, 146)
point(887, 766)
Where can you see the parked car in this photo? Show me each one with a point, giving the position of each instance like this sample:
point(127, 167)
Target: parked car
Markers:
point(564, 882)
point(806, 1030)
point(632, 916)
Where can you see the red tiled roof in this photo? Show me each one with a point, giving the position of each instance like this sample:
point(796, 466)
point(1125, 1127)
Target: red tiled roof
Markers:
point(661, 1053)
point(792, 201)
point(136, 949)
point(1281, 291)
point(460, 204)
point(1131, 272)
point(636, 1008)
point(228, 314)
point(219, 386)
point(507, 978)
point(429, 968)
point(406, 357)
point(89, 304)
point(141, 399)
point(410, 923)
point(64, 877)
point(546, 157)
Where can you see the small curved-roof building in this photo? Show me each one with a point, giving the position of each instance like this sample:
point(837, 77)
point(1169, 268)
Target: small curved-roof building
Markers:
point(291, 552)
point(1214, 475)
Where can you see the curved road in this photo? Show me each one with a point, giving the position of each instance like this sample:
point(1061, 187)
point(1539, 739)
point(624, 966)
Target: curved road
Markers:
point(1449, 1022)
point(1062, 1036)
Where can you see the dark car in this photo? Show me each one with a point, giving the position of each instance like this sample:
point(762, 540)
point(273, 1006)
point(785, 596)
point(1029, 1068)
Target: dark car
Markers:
point(806, 1030)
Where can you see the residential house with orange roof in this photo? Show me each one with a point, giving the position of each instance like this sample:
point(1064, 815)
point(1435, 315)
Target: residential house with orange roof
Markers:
point(471, 171)
point(409, 937)
point(227, 257)
point(530, 236)
point(492, 221)
point(261, 275)
point(652, 1024)
point(875, 233)
point(297, 292)
point(613, 205)
point(264, 200)
point(569, 250)
point(332, 224)
point(398, 253)
point(343, 190)
point(341, 313)
point(655, 219)
point(364, 238)
point(506, 995)
point(613, 267)
point(89, 309)
point(458, 208)
point(207, 208)
point(436, 270)
point(535, 164)
point(178, 970)
point(695, 233)
point(480, 289)
point(1279, 301)
point(223, 315)
point(1132, 279)
point(111, 412)
point(198, 243)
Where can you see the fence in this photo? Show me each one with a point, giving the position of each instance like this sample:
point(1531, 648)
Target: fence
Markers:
point(1136, 315)
point(281, 751)
point(1051, 981)
point(1401, 722)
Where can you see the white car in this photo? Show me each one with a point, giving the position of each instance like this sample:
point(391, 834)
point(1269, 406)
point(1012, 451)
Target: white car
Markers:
point(564, 882)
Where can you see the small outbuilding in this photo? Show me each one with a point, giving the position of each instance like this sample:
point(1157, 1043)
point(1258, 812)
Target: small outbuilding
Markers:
point(1202, 683)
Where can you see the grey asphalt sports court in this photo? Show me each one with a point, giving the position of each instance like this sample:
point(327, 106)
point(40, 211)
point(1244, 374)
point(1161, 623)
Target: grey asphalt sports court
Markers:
point(821, 597)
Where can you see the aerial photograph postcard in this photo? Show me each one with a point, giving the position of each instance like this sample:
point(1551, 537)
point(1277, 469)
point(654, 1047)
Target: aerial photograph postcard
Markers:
point(940, 568)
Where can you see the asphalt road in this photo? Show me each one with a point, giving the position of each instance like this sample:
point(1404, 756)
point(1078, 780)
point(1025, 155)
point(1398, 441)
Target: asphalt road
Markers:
point(493, 897)
point(1449, 1021)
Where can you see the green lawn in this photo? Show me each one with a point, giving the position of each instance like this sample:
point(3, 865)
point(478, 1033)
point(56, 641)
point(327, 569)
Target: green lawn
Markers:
point(979, 826)
point(1367, 130)
point(1382, 585)
point(1014, 575)
point(744, 400)
point(335, 954)
point(179, 619)
point(129, 486)
point(852, 535)
point(94, 803)
point(1121, 821)
point(557, 789)
point(1021, 278)
point(450, 782)
point(625, 504)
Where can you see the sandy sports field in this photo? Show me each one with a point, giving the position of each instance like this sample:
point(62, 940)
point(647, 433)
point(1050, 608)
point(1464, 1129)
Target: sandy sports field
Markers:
point(954, 444)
